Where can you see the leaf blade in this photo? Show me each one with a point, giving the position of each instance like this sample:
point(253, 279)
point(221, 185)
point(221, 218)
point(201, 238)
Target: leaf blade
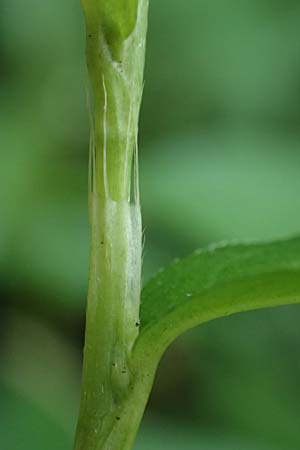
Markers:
point(217, 282)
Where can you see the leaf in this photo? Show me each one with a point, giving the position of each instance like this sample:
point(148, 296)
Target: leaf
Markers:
point(216, 282)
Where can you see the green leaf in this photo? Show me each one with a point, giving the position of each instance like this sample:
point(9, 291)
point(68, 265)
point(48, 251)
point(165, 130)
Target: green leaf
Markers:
point(216, 282)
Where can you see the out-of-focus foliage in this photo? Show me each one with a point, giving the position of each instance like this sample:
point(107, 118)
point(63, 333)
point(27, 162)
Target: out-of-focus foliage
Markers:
point(220, 159)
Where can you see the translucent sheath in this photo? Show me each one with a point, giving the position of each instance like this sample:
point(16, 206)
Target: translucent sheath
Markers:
point(113, 396)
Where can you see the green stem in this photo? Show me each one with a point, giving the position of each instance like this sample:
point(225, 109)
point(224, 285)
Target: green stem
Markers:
point(115, 428)
point(114, 387)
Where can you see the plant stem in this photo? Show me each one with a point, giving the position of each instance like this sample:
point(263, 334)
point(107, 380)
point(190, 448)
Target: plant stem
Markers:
point(114, 388)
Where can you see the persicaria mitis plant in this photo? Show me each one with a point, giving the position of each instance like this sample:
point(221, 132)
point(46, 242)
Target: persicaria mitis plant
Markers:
point(128, 330)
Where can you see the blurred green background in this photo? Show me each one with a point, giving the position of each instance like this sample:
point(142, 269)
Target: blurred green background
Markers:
point(219, 159)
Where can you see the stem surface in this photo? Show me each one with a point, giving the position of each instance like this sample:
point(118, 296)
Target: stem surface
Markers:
point(115, 388)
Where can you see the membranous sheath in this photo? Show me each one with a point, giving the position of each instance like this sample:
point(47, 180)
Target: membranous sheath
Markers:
point(116, 35)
